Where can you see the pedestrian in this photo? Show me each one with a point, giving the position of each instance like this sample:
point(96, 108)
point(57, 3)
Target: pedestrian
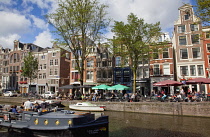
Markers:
point(132, 97)
point(94, 97)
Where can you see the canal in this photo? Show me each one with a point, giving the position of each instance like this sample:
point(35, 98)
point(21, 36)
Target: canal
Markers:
point(126, 124)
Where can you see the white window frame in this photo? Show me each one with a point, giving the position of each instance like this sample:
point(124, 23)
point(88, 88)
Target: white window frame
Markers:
point(51, 62)
point(89, 75)
point(194, 27)
point(51, 72)
point(181, 29)
point(181, 54)
point(156, 66)
point(166, 51)
point(40, 76)
point(56, 72)
point(166, 69)
point(44, 66)
point(53, 54)
point(198, 54)
point(187, 70)
point(43, 57)
point(198, 42)
point(185, 40)
point(56, 62)
point(192, 70)
point(44, 75)
point(200, 70)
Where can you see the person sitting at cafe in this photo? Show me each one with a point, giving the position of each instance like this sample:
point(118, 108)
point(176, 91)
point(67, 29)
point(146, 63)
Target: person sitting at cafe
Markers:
point(113, 97)
point(178, 98)
point(164, 97)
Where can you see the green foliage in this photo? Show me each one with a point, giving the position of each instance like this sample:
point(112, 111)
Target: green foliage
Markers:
point(30, 68)
point(79, 23)
point(203, 10)
point(135, 40)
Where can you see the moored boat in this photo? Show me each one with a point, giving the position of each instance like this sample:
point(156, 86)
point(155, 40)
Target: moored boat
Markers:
point(51, 102)
point(58, 123)
point(87, 106)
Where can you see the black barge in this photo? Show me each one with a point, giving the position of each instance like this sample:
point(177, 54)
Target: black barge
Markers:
point(56, 123)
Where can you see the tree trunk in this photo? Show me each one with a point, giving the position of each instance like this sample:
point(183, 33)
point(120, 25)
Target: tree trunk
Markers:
point(134, 81)
point(30, 86)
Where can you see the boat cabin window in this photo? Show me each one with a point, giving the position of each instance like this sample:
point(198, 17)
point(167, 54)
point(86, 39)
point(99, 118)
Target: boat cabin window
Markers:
point(27, 117)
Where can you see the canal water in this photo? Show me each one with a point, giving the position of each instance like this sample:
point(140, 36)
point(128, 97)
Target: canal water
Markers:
point(126, 124)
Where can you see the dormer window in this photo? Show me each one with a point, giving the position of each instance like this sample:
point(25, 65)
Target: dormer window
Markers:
point(54, 54)
point(187, 14)
point(186, 17)
point(43, 57)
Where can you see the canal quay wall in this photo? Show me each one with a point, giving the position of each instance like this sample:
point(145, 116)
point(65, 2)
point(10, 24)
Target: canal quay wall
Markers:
point(201, 109)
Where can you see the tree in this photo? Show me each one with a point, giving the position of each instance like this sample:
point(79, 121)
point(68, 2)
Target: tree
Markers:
point(30, 68)
point(79, 23)
point(134, 41)
point(203, 10)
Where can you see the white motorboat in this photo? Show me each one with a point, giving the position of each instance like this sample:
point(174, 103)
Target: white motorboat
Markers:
point(87, 106)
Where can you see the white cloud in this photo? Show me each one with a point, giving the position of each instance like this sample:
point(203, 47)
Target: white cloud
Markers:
point(13, 23)
point(7, 41)
point(44, 39)
point(152, 11)
point(7, 2)
point(43, 4)
point(39, 23)
point(12, 27)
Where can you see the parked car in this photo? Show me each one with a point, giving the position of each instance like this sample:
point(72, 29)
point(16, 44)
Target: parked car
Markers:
point(10, 94)
point(48, 94)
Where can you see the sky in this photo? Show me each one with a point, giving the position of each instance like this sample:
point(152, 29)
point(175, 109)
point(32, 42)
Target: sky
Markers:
point(24, 20)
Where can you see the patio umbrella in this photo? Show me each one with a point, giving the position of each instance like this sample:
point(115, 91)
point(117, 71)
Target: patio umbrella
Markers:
point(95, 87)
point(104, 87)
point(118, 87)
point(198, 81)
point(168, 83)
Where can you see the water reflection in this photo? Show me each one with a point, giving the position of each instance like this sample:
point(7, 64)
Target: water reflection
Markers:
point(124, 124)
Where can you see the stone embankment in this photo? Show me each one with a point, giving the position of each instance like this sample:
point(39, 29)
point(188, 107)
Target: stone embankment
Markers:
point(201, 109)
